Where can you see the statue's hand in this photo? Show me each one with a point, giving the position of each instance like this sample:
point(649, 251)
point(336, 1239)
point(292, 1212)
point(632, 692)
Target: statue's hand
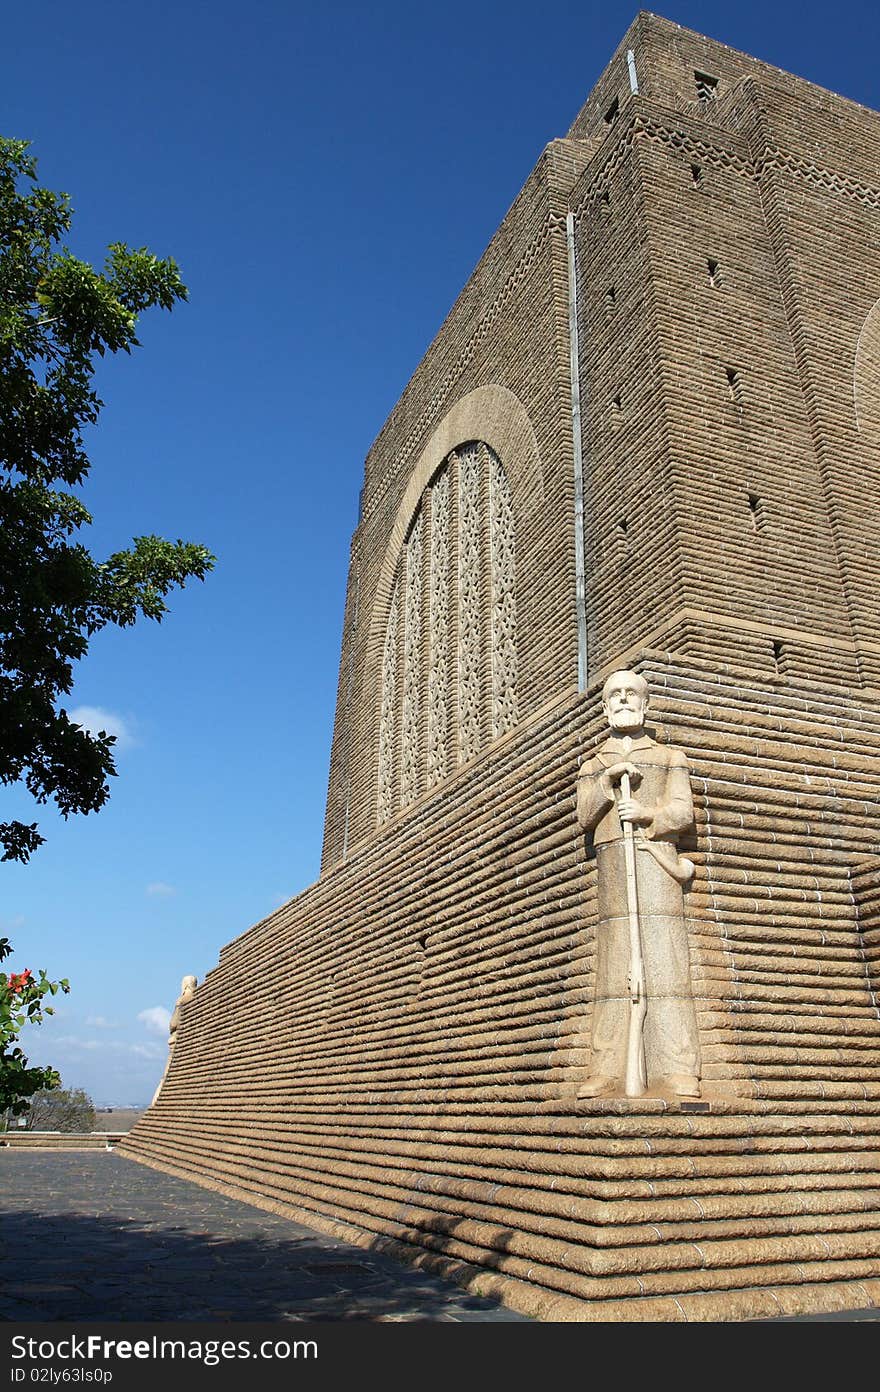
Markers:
point(629, 810)
point(612, 776)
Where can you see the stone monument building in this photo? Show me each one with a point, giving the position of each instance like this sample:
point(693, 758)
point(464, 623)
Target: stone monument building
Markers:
point(646, 437)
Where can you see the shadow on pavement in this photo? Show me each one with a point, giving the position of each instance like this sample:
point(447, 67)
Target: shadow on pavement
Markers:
point(94, 1236)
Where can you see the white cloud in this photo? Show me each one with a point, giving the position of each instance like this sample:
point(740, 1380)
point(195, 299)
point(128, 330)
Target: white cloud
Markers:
point(95, 719)
point(159, 890)
point(156, 1018)
point(99, 1022)
point(70, 1041)
point(9, 925)
point(113, 1046)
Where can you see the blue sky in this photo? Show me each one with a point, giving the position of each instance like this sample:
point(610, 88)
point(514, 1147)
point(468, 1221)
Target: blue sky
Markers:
point(327, 176)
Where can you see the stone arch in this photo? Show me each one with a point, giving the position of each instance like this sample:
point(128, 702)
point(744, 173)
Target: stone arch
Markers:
point(489, 432)
point(491, 414)
point(866, 375)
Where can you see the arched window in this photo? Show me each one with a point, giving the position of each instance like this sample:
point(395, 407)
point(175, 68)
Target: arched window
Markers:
point(866, 376)
point(449, 659)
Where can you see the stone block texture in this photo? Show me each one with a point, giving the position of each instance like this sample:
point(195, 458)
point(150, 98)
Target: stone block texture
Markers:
point(648, 434)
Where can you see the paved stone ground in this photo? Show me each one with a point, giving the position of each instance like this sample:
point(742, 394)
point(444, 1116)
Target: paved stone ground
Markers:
point(93, 1236)
point(89, 1235)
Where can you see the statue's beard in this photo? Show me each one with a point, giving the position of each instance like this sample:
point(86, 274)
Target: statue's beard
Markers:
point(626, 720)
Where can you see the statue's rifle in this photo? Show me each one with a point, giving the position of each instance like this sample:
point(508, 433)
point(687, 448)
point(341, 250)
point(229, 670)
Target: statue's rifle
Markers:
point(636, 1073)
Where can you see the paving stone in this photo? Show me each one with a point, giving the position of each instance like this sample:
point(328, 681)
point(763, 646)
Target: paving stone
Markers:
point(127, 1251)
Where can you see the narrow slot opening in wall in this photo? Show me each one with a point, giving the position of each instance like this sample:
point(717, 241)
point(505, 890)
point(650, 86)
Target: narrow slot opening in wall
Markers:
point(714, 273)
point(696, 176)
point(611, 297)
point(756, 508)
point(707, 86)
point(623, 527)
point(616, 410)
point(605, 203)
point(612, 113)
point(778, 657)
point(734, 385)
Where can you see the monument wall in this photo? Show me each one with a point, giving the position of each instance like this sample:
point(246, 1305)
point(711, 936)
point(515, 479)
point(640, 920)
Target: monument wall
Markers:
point(396, 1054)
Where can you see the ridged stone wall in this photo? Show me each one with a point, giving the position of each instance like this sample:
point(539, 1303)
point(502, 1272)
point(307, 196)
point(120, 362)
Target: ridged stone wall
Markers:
point(414, 1029)
point(395, 1055)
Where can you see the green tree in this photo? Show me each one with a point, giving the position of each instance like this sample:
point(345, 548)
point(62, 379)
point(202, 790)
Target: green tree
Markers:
point(57, 316)
point(22, 1002)
point(61, 1109)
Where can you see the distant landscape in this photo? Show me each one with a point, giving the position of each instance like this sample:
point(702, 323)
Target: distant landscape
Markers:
point(117, 1118)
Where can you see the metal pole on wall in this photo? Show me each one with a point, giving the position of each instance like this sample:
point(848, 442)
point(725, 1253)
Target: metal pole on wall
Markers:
point(574, 355)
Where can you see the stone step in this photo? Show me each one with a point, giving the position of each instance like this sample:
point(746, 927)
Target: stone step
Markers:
point(623, 1131)
point(567, 1178)
point(662, 1266)
point(849, 1201)
point(57, 1140)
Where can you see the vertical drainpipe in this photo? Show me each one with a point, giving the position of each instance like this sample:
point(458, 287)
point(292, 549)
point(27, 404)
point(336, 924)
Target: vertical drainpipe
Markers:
point(579, 570)
point(348, 692)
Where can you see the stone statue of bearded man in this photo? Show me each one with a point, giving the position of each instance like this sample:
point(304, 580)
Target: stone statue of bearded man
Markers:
point(658, 810)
